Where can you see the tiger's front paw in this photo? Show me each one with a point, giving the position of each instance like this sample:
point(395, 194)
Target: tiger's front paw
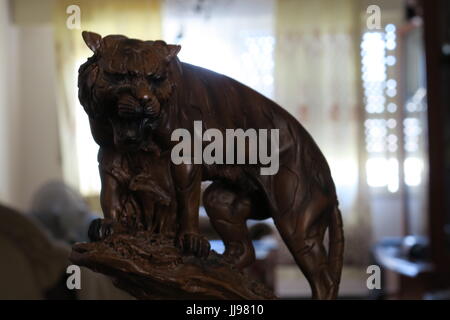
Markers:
point(193, 243)
point(99, 229)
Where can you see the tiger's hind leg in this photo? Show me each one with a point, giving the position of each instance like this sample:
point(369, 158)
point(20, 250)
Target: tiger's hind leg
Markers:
point(228, 212)
point(304, 237)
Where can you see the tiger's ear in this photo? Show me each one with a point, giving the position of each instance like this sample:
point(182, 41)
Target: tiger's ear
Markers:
point(173, 51)
point(92, 40)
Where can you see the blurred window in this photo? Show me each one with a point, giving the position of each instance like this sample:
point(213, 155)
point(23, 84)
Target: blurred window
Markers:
point(378, 61)
point(394, 132)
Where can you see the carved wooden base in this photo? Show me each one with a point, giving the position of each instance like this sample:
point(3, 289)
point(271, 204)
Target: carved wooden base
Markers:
point(150, 267)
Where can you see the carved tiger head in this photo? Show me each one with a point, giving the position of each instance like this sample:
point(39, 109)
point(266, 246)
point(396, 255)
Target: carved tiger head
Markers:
point(126, 83)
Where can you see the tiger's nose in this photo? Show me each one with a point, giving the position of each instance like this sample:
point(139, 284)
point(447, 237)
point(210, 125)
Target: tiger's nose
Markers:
point(144, 98)
point(130, 136)
point(143, 94)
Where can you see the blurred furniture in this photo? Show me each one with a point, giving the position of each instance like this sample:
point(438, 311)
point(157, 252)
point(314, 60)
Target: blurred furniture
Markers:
point(32, 264)
point(409, 263)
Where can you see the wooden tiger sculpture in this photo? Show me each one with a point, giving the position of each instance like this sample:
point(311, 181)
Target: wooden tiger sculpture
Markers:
point(138, 92)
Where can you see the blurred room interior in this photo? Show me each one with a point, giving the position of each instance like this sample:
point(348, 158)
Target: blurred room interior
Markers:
point(373, 94)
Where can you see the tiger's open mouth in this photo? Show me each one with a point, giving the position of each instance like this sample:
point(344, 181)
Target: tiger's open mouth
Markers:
point(129, 110)
point(128, 146)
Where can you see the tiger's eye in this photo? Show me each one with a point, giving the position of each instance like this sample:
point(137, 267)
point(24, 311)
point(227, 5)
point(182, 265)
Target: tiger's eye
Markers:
point(117, 77)
point(156, 79)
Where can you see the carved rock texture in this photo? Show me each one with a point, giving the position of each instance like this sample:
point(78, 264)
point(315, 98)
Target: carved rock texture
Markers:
point(151, 267)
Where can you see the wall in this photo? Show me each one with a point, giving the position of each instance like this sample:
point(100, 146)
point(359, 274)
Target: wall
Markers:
point(29, 150)
point(8, 103)
point(40, 160)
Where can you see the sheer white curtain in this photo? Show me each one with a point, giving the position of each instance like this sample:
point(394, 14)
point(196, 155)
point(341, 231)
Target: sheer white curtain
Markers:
point(317, 80)
point(231, 37)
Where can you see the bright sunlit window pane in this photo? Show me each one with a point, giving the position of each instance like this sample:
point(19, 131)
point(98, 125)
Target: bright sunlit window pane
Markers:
point(392, 175)
point(413, 168)
point(376, 174)
point(382, 172)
